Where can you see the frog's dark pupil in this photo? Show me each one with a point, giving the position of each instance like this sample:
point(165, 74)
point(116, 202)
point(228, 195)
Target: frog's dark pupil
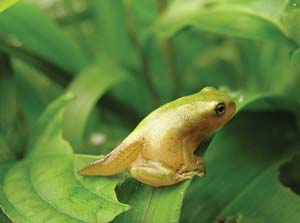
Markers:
point(220, 109)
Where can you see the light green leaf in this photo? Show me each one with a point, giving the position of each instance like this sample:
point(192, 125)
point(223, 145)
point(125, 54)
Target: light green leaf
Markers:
point(4, 4)
point(88, 87)
point(242, 168)
point(47, 180)
point(4, 167)
point(24, 26)
point(232, 19)
point(150, 204)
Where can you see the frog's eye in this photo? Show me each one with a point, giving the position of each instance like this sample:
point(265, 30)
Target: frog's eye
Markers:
point(220, 109)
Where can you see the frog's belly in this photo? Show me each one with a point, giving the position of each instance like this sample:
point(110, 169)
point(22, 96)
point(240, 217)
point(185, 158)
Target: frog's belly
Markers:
point(168, 153)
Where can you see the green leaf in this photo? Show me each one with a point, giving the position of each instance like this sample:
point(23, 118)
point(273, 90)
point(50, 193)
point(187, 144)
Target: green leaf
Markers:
point(4, 167)
point(8, 103)
point(24, 26)
point(4, 218)
point(47, 180)
point(113, 37)
point(239, 20)
point(4, 4)
point(32, 96)
point(290, 17)
point(150, 204)
point(242, 169)
point(289, 175)
point(295, 56)
point(88, 87)
point(13, 131)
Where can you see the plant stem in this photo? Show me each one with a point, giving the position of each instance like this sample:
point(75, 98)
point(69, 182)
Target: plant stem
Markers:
point(131, 27)
point(168, 54)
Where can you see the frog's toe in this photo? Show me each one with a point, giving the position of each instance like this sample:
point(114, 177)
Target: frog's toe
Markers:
point(200, 164)
point(201, 170)
point(186, 175)
point(201, 173)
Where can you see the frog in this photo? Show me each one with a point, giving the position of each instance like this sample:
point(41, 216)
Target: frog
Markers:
point(160, 151)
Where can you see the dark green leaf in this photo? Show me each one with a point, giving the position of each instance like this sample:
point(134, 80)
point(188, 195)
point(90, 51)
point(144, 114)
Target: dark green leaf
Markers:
point(25, 26)
point(13, 131)
point(31, 91)
point(247, 185)
point(291, 17)
point(113, 38)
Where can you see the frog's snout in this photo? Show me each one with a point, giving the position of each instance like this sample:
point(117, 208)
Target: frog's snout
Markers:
point(232, 106)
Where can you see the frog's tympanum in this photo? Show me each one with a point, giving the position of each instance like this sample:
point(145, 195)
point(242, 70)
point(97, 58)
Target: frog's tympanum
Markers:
point(160, 150)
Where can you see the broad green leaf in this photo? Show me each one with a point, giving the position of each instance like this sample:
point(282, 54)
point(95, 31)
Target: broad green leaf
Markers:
point(88, 87)
point(47, 181)
point(291, 17)
point(150, 204)
point(242, 169)
point(4, 167)
point(4, 4)
point(24, 26)
point(232, 19)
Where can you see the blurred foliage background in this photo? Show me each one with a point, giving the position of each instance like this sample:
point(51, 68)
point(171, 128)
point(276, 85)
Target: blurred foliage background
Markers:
point(138, 55)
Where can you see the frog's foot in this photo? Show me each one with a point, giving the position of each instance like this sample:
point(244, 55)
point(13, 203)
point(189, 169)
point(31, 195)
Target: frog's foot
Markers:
point(189, 175)
point(197, 165)
point(201, 169)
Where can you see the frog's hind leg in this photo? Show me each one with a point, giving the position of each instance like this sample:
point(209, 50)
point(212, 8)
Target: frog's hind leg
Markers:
point(152, 173)
point(156, 174)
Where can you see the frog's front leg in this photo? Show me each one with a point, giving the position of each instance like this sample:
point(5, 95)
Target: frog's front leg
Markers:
point(156, 174)
point(191, 162)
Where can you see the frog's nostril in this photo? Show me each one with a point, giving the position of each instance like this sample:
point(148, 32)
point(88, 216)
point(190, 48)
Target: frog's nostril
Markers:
point(231, 104)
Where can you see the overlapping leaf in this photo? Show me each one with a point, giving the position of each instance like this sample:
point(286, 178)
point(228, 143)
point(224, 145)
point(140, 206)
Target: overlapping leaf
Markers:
point(47, 180)
point(237, 19)
point(4, 4)
point(24, 27)
point(90, 85)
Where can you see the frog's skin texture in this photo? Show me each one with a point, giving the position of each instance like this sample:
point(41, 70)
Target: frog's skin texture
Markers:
point(160, 151)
